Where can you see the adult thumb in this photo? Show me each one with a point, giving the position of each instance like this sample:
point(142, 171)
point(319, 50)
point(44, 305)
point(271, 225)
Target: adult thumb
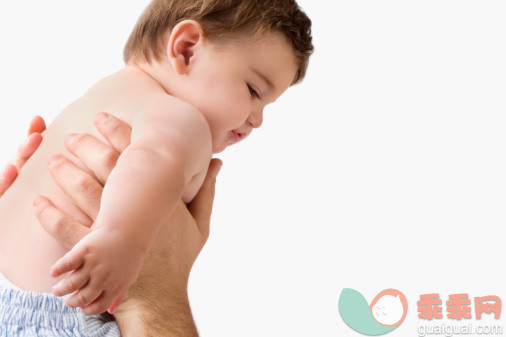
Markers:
point(202, 205)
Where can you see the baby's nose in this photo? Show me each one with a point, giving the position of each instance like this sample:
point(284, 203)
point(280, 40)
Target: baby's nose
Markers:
point(255, 120)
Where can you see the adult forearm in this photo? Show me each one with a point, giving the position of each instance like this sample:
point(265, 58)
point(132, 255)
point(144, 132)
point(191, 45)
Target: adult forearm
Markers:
point(157, 319)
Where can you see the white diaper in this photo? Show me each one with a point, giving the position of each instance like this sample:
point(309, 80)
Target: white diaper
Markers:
point(29, 313)
point(6, 283)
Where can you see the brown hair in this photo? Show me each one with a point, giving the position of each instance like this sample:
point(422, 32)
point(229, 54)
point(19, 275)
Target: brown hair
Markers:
point(218, 19)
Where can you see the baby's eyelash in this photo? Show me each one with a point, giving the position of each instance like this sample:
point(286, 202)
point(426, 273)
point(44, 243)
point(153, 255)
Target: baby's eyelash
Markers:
point(253, 92)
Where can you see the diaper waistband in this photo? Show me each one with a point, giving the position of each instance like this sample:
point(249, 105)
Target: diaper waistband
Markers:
point(40, 309)
point(21, 309)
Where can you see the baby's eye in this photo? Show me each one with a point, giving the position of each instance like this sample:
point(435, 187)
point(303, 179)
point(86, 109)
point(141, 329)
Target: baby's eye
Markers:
point(253, 92)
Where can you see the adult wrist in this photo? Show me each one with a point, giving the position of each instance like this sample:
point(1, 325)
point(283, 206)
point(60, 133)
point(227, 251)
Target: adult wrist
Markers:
point(150, 317)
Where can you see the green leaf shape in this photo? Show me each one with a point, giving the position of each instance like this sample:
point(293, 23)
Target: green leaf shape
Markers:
point(355, 312)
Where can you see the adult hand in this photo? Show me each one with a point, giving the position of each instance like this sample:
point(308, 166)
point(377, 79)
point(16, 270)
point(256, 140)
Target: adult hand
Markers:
point(25, 151)
point(158, 300)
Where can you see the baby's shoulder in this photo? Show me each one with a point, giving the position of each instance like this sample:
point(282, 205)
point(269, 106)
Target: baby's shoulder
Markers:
point(167, 111)
point(176, 122)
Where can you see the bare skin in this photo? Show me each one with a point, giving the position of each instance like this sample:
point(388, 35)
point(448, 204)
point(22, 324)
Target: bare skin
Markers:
point(198, 98)
point(25, 151)
point(157, 303)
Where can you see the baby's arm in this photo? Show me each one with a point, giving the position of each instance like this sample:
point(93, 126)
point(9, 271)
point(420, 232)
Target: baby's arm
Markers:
point(168, 148)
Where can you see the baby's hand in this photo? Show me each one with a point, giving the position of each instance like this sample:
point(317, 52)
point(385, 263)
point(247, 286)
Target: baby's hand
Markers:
point(104, 265)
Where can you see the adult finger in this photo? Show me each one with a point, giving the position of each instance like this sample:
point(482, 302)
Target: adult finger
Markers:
point(37, 124)
point(9, 174)
point(80, 186)
point(94, 154)
point(117, 132)
point(60, 226)
point(26, 149)
point(202, 205)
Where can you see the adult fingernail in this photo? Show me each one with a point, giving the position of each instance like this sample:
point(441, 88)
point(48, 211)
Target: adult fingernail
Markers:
point(101, 117)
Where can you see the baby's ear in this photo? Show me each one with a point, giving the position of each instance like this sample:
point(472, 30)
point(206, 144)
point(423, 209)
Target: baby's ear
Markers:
point(185, 39)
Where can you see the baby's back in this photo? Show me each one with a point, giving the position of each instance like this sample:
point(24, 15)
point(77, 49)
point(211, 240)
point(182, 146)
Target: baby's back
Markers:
point(26, 250)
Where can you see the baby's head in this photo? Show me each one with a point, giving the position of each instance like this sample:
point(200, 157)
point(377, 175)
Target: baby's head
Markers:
point(227, 58)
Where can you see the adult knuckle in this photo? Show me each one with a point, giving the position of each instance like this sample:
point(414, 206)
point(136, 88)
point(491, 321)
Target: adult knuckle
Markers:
point(109, 158)
point(58, 225)
point(94, 192)
point(88, 187)
point(84, 184)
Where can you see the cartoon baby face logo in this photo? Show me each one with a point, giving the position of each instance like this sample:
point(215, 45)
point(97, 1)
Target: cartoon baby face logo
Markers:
point(386, 311)
point(389, 307)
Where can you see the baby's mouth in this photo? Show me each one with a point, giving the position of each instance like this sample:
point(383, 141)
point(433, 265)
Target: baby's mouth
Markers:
point(234, 137)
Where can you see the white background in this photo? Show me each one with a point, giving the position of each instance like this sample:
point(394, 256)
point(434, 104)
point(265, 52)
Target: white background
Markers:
point(386, 168)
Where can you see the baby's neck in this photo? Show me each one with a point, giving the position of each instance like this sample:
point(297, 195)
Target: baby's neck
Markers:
point(159, 72)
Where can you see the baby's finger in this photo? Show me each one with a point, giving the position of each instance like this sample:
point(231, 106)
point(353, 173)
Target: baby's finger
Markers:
point(117, 132)
point(116, 303)
point(101, 304)
point(75, 281)
point(70, 261)
point(84, 296)
point(8, 176)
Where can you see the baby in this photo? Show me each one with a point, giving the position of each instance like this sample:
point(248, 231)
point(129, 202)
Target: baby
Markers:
point(198, 76)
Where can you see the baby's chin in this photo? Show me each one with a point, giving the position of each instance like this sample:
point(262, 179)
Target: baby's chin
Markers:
point(219, 146)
